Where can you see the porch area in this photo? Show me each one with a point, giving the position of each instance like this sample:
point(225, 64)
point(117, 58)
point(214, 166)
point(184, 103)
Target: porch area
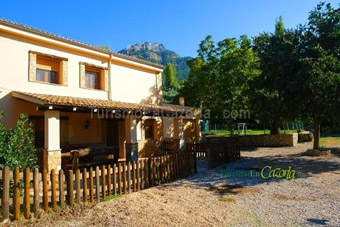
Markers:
point(73, 133)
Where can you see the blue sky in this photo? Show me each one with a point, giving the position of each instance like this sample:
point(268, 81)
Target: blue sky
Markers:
point(179, 25)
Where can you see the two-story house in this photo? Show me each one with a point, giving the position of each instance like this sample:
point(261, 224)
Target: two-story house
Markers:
point(79, 95)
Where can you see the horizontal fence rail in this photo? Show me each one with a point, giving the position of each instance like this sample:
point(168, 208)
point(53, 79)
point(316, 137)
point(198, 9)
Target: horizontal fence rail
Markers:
point(25, 192)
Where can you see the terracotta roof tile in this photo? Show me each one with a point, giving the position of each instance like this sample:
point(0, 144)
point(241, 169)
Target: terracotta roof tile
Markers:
point(45, 99)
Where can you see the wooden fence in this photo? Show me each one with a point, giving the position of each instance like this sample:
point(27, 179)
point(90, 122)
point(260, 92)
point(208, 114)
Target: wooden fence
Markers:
point(56, 189)
point(216, 153)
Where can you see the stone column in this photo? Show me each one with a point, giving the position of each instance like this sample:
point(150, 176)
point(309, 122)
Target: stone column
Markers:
point(131, 144)
point(52, 151)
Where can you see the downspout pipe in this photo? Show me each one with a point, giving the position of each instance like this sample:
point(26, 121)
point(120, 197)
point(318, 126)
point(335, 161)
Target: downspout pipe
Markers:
point(109, 93)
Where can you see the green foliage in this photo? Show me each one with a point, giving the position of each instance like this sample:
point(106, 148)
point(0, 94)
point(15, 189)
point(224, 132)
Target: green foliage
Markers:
point(276, 91)
point(105, 47)
point(320, 70)
point(170, 79)
point(17, 145)
point(170, 85)
point(219, 77)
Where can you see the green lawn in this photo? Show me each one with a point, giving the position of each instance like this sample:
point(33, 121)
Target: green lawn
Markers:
point(330, 140)
point(249, 132)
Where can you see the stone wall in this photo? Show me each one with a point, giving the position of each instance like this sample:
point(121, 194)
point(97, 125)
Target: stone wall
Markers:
point(305, 137)
point(281, 140)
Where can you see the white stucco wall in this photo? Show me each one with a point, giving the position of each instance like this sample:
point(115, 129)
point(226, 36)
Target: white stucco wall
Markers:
point(14, 60)
point(132, 85)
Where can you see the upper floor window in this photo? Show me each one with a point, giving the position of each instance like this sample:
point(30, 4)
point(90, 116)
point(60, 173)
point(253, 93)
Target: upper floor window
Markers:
point(47, 68)
point(93, 77)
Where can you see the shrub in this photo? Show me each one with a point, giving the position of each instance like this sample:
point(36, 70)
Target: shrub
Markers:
point(17, 145)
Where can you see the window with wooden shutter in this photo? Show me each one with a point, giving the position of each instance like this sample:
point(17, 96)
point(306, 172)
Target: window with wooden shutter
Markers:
point(93, 77)
point(48, 68)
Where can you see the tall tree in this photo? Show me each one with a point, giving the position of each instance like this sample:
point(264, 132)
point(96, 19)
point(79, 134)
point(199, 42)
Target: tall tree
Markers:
point(170, 79)
point(276, 90)
point(320, 48)
point(219, 77)
point(170, 84)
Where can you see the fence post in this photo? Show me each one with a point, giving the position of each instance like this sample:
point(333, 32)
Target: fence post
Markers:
point(54, 190)
point(120, 178)
point(146, 173)
point(97, 184)
point(142, 177)
point(36, 186)
point(129, 176)
point(209, 157)
point(109, 180)
point(114, 172)
point(138, 175)
point(61, 188)
point(85, 185)
point(27, 193)
point(5, 194)
point(70, 187)
point(91, 185)
point(133, 177)
point(16, 194)
point(195, 159)
point(124, 178)
point(150, 172)
point(103, 182)
point(78, 186)
point(45, 190)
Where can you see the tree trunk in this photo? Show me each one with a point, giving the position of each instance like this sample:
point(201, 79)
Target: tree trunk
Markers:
point(230, 127)
point(316, 133)
point(275, 130)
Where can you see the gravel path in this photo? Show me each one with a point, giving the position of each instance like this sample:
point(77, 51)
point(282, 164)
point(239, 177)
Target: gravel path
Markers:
point(210, 198)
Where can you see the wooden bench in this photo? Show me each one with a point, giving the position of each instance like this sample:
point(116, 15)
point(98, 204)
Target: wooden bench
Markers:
point(91, 157)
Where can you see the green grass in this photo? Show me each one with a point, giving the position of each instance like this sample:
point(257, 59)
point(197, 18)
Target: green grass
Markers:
point(107, 198)
point(330, 140)
point(249, 132)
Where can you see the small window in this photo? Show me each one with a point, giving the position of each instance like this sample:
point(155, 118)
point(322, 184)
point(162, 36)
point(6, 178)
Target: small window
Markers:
point(149, 129)
point(47, 76)
point(47, 70)
point(92, 79)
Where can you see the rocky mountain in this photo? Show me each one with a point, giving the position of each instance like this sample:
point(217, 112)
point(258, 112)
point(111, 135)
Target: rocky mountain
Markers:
point(157, 53)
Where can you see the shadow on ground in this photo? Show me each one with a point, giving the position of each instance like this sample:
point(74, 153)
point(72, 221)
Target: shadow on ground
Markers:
point(251, 168)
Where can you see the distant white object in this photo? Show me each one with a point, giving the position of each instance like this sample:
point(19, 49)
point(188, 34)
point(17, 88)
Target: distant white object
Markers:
point(243, 127)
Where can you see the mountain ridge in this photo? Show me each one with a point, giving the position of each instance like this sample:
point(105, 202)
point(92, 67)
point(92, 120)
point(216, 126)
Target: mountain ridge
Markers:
point(157, 53)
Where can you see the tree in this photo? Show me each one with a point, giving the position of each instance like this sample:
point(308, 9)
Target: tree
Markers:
point(170, 84)
point(320, 48)
point(276, 91)
point(170, 79)
point(219, 77)
point(105, 47)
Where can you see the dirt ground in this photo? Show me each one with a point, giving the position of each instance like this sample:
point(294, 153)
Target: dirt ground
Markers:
point(211, 198)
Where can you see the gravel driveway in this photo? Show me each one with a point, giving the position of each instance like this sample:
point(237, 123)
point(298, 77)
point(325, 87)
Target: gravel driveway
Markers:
point(214, 198)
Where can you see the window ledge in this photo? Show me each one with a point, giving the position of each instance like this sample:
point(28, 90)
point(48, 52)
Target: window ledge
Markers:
point(46, 83)
point(93, 89)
